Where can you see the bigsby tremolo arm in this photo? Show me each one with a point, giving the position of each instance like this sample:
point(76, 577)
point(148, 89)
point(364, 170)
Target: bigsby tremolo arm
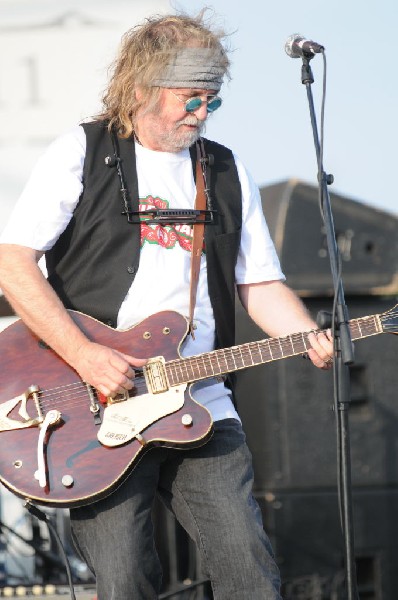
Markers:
point(52, 418)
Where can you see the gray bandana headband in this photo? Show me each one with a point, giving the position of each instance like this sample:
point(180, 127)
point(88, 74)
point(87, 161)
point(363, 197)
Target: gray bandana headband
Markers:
point(201, 68)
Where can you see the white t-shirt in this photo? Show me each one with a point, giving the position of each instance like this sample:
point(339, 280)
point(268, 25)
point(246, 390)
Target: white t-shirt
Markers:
point(165, 180)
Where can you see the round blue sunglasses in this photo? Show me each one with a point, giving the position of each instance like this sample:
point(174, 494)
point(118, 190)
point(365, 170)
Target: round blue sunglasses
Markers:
point(192, 104)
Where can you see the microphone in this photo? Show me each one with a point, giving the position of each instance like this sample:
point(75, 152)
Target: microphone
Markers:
point(297, 46)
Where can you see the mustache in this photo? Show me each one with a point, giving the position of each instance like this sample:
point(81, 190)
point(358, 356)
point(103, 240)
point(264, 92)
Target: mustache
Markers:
point(191, 120)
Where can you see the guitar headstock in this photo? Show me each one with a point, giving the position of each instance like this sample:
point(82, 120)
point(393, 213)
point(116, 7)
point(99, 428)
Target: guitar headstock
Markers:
point(389, 320)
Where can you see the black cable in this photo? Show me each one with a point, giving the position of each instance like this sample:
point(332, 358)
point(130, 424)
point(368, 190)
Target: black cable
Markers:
point(39, 514)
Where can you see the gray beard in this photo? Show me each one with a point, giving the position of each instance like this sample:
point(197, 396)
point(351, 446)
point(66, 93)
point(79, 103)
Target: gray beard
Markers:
point(176, 140)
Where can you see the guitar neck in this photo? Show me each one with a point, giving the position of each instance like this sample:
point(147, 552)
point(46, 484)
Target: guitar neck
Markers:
point(251, 354)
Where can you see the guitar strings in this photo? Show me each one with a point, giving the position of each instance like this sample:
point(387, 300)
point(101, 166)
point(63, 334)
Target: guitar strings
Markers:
point(276, 348)
point(217, 362)
point(73, 393)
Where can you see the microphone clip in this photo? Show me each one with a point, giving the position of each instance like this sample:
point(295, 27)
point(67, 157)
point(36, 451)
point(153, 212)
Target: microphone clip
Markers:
point(112, 161)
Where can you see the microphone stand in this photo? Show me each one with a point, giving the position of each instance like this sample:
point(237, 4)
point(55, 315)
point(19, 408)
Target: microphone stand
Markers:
point(342, 345)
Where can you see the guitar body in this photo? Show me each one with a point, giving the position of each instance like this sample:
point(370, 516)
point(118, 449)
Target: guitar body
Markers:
point(55, 451)
point(79, 469)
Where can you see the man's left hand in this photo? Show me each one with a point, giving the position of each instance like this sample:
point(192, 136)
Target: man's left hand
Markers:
point(321, 351)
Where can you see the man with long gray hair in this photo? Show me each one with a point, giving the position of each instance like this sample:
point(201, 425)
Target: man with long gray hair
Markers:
point(137, 213)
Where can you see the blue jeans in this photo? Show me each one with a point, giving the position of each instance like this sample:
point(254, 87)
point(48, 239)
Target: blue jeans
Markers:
point(209, 491)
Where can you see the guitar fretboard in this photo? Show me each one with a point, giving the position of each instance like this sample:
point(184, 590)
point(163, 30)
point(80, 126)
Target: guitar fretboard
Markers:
point(227, 360)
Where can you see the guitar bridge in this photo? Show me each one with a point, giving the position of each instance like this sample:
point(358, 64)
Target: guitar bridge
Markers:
point(155, 375)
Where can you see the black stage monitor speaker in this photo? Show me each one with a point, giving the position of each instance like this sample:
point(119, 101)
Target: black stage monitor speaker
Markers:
point(287, 405)
point(367, 239)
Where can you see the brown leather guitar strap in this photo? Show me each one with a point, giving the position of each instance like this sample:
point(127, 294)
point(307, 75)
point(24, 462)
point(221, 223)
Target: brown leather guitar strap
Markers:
point(197, 238)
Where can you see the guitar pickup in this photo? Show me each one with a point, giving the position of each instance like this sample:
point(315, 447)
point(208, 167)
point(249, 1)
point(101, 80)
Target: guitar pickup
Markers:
point(155, 375)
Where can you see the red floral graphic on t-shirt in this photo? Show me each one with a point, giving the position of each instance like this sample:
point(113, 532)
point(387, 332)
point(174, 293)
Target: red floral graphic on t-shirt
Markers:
point(166, 236)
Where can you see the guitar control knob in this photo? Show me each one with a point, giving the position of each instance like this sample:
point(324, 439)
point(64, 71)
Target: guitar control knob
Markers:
point(67, 481)
point(187, 420)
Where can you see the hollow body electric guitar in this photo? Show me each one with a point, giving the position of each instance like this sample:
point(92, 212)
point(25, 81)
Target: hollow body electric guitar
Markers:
point(62, 444)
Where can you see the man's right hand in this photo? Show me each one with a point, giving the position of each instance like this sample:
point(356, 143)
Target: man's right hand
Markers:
point(109, 371)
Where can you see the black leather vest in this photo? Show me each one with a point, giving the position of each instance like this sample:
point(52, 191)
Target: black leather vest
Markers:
point(93, 263)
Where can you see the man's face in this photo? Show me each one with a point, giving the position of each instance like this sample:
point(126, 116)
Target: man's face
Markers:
point(168, 127)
